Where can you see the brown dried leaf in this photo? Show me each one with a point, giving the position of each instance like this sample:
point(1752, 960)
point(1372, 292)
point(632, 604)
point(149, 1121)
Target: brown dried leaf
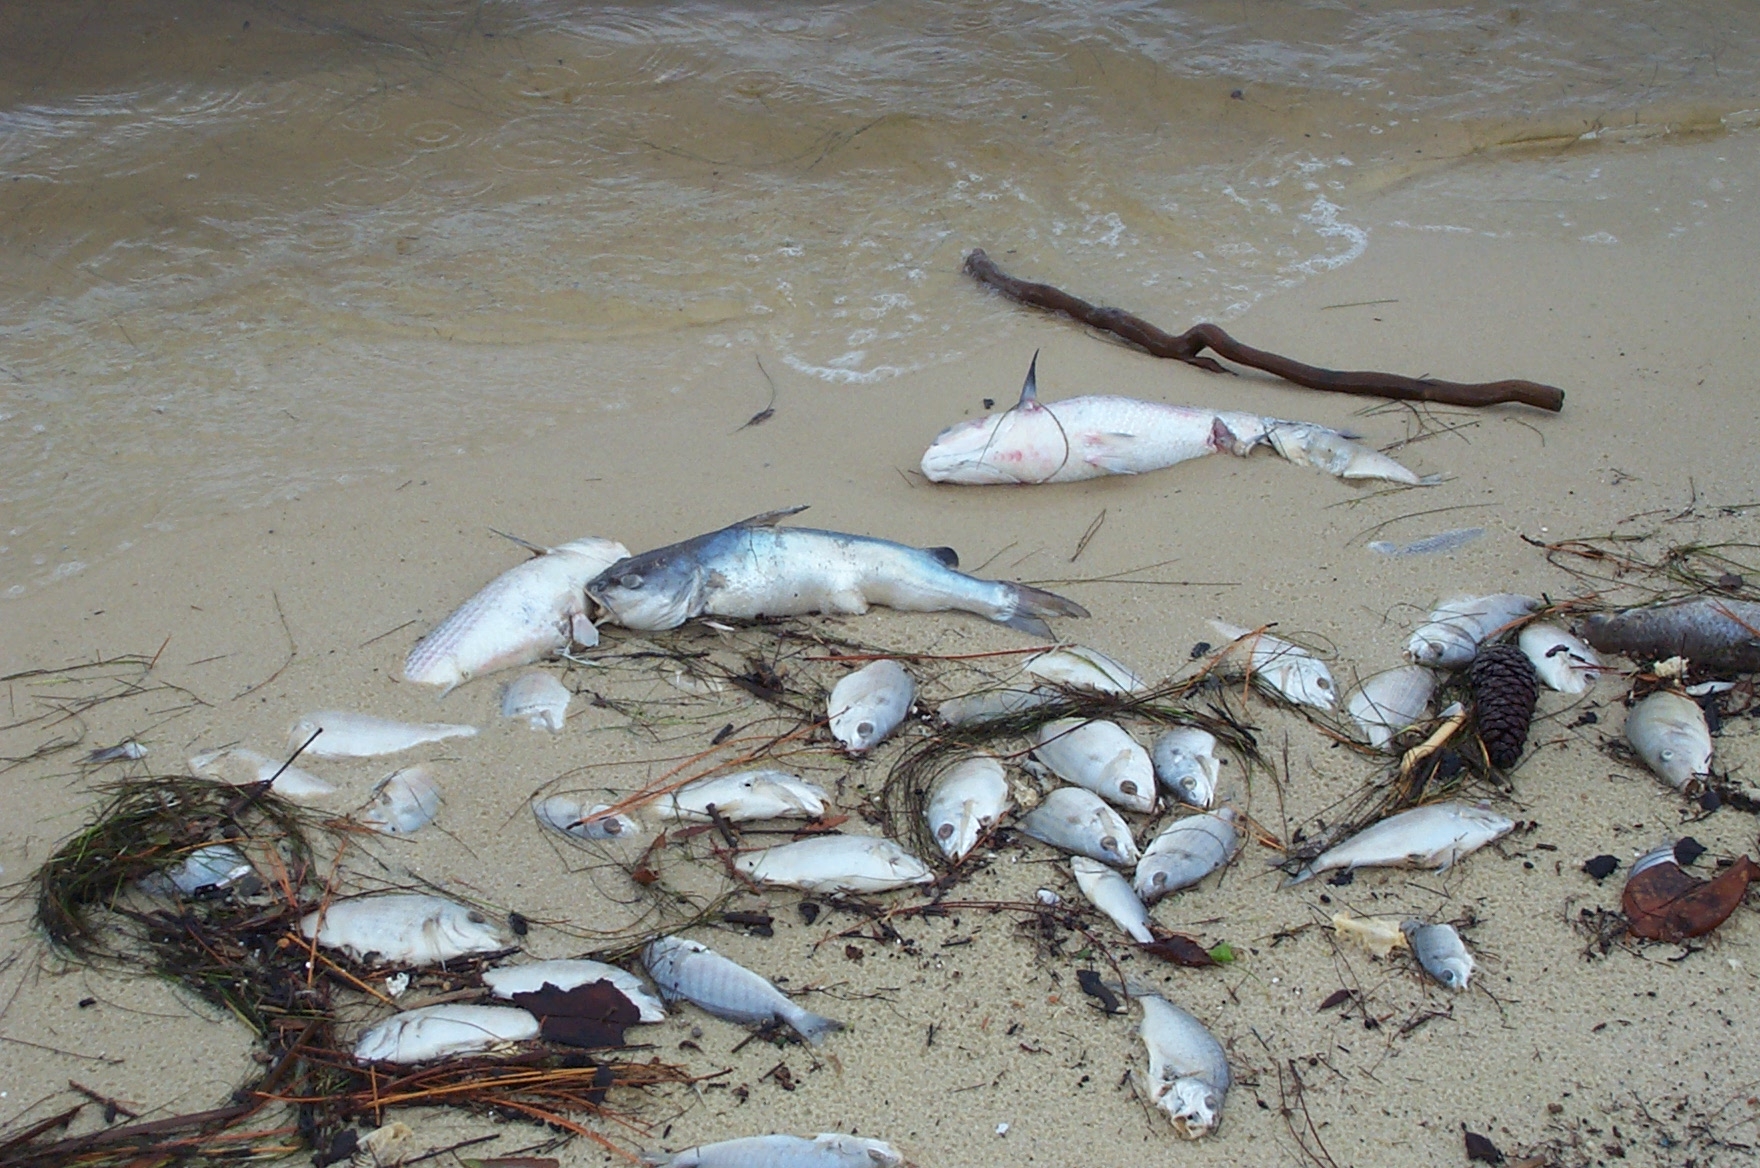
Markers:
point(1663, 903)
point(593, 1015)
point(1179, 949)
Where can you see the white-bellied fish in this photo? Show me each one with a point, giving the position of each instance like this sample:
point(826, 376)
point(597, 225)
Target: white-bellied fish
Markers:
point(345, 734)
point(1718, 632)
point(755, 568)
point(1432, 836)
point(527, 613)
point(1669, 732)
point(1077, 820)
point(1079, 667)
point(403, 802)
point(1100, 756)
point(566, 814)
point(1391, 701)
point(1442, 953)
point(241, 767)
point(403, 928)
point(539, 698)
point(570, 973)
point(867, 706)
point(697, 974)
point(1186, 851)
point(1186, 765)
point(743, 797)
point(987, 705)
point(214, 866)
point(826, 1150)
point(1284, 667)
point(1111, 893)
point(432, 1032)
point(1188, 1069)
point(1562, 662)
point(836, 863)
point(1450, 637)
point(965, 803)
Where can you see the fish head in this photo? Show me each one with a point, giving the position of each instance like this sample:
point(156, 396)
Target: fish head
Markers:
point(656, 590)
point(470, 930)
point(956, 832)
point(1194, 1107)
point(1127, 782)
point(969, 453)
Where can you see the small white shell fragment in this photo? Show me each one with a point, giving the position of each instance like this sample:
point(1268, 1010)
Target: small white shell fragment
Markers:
point(827, 1150)
point(397, 983)
point(1669, 732)
point(1451, 635)
point(1185, 852)
point(1285, 667)
point(967, 801)
point(989, 704)
point(1391, 701)
point(566, 815)
point(1563, 662)
point(538, 698)
point(1101, 756)
point(239, 766)
point(1377, 935)
point(743, 797)
point(1079, 667)
point(432, 1032)
point(1111, 894)
point(1442, 953)
point(866, 706)
point(403, 928)
point(345, 734)
point(1077, 820)
point(566, 974)
point(836, 863)
point(1188, 1069)
point(1186, 764)
point(1048, 898)
point(404, 801)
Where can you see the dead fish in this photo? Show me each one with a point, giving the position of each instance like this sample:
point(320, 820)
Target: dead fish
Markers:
point(403, 928)
point(1185, 762)
point(1285, 667)
point(969, 800)
point(699, 975)
point(1077, 820)
point(1716, 632)
point(1392, 701)
point(1450, 637)
point(1079, 667)
point(744, 797)
point(1185, 852)
point(990, 704)
point(1562, 662)
point(1188, 1069)
point(1432, 836)
point(526, 614)
point(236, 765)
point(1111, 893)
point(1100, 756)
point(567, 974)
point(128, 749)
point(403, 802)
point(566, 815)
point(755, 568)
point(836, 863)
point(431, 1032)
point(215, 866)
point(1445, 541)
point(350, 735)
point(1086, 437)
point(827, 1150)
point(1442, 953)
point(1669, 732)
point(867, 706)
point(538, 698)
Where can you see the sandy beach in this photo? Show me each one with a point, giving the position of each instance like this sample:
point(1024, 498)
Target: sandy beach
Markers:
point(1622, 273)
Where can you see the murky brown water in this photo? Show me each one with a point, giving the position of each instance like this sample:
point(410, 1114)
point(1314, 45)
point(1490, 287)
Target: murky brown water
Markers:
point(249, 249)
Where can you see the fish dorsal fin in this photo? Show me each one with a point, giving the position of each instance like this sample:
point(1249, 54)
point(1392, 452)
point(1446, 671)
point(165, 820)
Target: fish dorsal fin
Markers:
point(772, 518)
point(946, 555)
point(1030, 387)
point(535, 549)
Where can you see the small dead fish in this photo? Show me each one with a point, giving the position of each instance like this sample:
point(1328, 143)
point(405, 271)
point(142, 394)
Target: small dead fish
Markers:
point(1079, 667)
point(1079, 821)
point(241, 767)
point(990, 704)
point(967, 802)
point(1451, 635)
point(215, 866)
point(566, 974)
point(1188, 1069)
point(403, 928)
point(538, 698)
point(403, 802)
point(566, 815)
point(1284, 667)
point(1562, 662)
point(1111, 894)
point(1185, 852)
point(432, 1032)
point(867, 706)
point(699, 975)
point(827, 1150)
point(1391, 701)
point(128, 748)
point(351, 735)
point(1432, 836)
point(1669, 732)
point(836, 863)
point(1445, 541)
point(1185, 763)
point(1716, 632)
point(1378, 935)
point(1442, 953)
point(1100, 756)
point(744, 797)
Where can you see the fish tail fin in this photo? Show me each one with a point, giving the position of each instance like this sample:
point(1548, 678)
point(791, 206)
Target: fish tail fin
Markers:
point(1302, 876)
point(1033, 605)
point(813, 1027)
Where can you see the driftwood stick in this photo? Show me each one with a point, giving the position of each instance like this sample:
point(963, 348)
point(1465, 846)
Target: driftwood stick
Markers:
point(1190, 344)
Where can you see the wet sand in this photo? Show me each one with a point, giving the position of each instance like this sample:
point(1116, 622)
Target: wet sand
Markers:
point(265, 614)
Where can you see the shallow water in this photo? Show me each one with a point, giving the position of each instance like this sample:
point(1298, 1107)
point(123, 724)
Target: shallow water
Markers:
point(250, 250)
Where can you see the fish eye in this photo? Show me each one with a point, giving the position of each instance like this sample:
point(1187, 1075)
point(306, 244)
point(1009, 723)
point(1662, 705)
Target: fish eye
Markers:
point(630, 580)
point(1323, 683)
point(1666, 755)
point(864, 728)
point(1188, 784)
point(945, 831)
point(1158, 879)
point(1127, 787)
point(612, 827)
point(476, 918)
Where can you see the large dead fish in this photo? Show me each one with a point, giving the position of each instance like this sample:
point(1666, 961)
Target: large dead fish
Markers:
point(826, 1150)
point(755, 568)
point(1086, 437)
point(1432, 836)
point(1711, 631)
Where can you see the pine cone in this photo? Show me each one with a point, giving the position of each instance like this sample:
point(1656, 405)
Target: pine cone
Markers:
point(1504, 689)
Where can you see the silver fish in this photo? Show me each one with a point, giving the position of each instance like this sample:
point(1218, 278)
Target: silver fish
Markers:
point(867, 706)
point(1185, 852)
point(523, 615)
point(1716, 632)
point(989, 704)
point(1186, 764)
point(1450, 637)
point(403, 802)
point(743, 797)
point(827, 1150)
point(1079, 821)
point(1111, 893)
point(1391, 701)
point(565, 814)
point(755, 568)
point(235, 764)
point(403, 928)
point(1100, 756)
point(1445, 541)
point(567, 974)
point(127, 749)
point(1432, 836)
point(538, 698)
point(1079, 667)
point(432, 1032)
point(1669, 732)
point(1188, 1069)
point(349, 735)
point(1441, 952)
point(836, 863)
point(214, 866)
point(1562, 662)
point(699, 975)
point(1285, 667)
point(967, 802)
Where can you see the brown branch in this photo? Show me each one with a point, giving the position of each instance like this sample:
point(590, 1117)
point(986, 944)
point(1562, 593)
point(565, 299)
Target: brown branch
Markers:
point(1188, 345)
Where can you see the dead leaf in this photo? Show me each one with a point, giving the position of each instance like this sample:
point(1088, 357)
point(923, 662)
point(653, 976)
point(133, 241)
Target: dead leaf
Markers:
point(1663, 903)
point(1181, 950)
point(593, 1015)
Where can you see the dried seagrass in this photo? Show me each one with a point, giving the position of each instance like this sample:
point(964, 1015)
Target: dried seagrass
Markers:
point(1504, 689)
